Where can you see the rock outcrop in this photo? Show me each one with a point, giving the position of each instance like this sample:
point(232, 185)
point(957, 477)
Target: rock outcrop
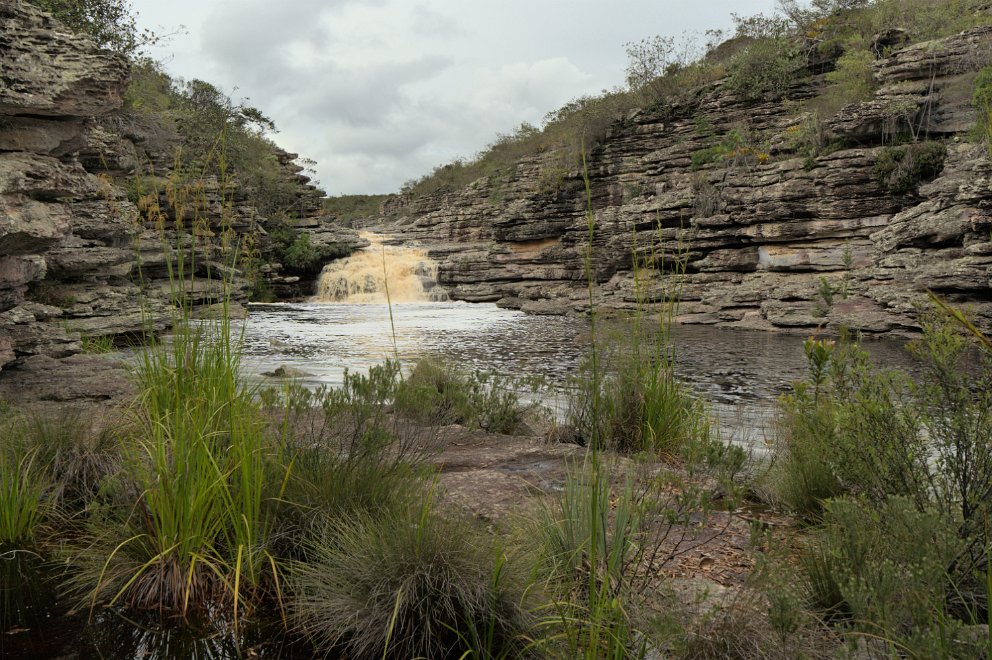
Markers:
point(774, 238)
point(92, 219)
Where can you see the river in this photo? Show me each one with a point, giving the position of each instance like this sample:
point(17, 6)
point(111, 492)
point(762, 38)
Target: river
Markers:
point(739, 372)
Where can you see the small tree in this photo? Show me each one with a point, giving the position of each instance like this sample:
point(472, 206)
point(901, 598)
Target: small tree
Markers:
point(111, 24)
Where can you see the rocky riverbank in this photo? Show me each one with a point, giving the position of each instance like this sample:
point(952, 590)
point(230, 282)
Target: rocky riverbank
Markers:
point(90, 208)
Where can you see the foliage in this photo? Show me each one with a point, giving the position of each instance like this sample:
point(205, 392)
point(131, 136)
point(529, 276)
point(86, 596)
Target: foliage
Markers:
point(767, 66)
point(850, 429)
point(110, 23)
point(851, 80)
point(220, 137)
point(901, 169)
point(436, 393)
point(345, 209)
point(23, 505)
point(407, 583)
point(640, 405)
point(982, 100)
point(194, 478)
point(738, 147)
point(882, 569)
point(350, 453)
point(98, 344)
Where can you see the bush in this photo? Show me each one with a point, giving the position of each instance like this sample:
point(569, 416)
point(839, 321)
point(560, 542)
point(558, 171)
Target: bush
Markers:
point(407, 583)
point(852, 81)
point(852, 430)
point(883, 569)
point(766, 66)
point(847, 429)
point(435, 393)
point(350, 454)
point(110, 23)
point(900, 170)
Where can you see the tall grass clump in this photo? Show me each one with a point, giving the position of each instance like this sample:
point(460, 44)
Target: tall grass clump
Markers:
point(23, 505)
point(641, 405)
point(599, 547)
point(195, 533)
point(408, 583)
point(185, 530)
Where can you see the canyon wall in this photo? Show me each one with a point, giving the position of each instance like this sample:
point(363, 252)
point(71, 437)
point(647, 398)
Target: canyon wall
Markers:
point(770, 235)
point(89, 205)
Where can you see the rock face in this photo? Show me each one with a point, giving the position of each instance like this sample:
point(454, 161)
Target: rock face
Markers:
point(87, 233)
point(771, 239)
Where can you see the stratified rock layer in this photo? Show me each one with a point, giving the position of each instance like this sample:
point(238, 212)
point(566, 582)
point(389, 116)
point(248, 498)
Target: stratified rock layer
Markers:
point(78, 257)
point(771, 240)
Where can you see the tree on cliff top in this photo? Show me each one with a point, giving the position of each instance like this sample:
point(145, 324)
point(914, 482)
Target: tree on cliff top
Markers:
point(111, 23)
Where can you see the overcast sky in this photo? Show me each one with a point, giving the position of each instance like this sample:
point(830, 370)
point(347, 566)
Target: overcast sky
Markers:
point(380, 91)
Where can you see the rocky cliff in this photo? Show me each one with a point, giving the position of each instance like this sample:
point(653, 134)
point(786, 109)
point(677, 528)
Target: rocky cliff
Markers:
point(91, 214)
point(770, 234)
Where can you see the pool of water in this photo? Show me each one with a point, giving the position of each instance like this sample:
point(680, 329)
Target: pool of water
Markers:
point(739, 372)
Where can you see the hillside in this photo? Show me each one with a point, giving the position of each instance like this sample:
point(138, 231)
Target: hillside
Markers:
point(803, 174)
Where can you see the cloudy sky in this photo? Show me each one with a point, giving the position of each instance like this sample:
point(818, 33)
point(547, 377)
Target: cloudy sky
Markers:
point(380, 91)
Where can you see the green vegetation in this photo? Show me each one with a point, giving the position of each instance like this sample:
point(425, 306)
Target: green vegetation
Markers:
point(436, 393)
point(737, 148)
point(982, 100)
point(345, 209)
point(110, 23)
point(896, 474)
point(900, 170)
point(408, 583)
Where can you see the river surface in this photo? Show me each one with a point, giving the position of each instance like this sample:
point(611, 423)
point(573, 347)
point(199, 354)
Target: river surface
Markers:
point(739, 372)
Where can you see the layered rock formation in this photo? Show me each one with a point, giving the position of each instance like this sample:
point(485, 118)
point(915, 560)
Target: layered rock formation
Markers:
point(91, 218)
point(769, 237)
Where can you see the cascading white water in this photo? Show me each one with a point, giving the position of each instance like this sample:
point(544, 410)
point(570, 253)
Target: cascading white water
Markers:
point(409, 274)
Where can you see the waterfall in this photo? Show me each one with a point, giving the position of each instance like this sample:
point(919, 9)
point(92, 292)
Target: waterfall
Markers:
point(362, 277)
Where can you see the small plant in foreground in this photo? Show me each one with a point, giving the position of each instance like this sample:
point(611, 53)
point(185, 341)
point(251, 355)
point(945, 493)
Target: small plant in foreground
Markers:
point(407, 583)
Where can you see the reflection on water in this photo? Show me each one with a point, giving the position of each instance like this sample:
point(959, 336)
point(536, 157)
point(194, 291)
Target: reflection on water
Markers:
point(739, 372)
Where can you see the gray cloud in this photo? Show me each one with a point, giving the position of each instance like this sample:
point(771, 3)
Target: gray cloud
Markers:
point(381, 91)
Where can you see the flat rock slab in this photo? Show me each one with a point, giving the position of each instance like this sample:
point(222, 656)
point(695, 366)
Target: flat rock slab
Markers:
point(79, 378)
point(493, 476)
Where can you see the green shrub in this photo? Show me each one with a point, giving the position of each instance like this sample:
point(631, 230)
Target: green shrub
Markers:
point(766, 66)
point(436, 393)
point(407, 583)
point(900, 170)
point(736, 148)
point(110, 23)
point(852, 430)
point(883, 569)
point(847, 429)
point(852, 81)
point(350, 455)
point(982, 100)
